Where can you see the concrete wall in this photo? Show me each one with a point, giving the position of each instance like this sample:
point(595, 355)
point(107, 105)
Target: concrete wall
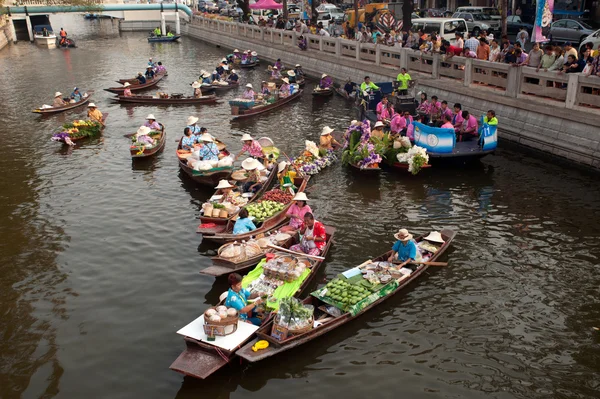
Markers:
point(6, 35)
point(567, 133)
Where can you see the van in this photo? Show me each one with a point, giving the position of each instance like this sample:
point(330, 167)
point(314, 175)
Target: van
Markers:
point(491, 11)
point(446, 28)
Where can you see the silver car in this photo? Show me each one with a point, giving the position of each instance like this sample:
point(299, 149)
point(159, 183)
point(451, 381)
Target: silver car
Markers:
point(570, 30)
point(478, 22)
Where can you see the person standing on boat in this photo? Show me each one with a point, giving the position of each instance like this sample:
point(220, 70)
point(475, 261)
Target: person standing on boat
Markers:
point(94, 114)
point(403, 78)
point(326, 141)
point(76, 95)
point(149, 73)
point(152, 123)
point(248, 94)
point(326, 82)
point(405, 249)
point(58, 101)
point(237, 297)
point(63, 36)
point(469, 127)
point(296, 213)
point(233, 77)
point(313, 236)
point(209, 150)
point(252, 146)
point(140, 78)
point(127, 91)
point(197, 92)
point(284, 89)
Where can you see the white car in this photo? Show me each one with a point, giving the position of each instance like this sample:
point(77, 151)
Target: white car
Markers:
point(594, 38)
point(334, 11)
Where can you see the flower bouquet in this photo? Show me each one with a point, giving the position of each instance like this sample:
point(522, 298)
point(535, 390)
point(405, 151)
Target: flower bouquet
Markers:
point(416, 157)
point(310, 162)
point(77, 130)
point(359, 149)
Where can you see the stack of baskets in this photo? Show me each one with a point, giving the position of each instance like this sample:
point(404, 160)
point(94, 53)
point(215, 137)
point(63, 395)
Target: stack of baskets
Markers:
point(239, 252)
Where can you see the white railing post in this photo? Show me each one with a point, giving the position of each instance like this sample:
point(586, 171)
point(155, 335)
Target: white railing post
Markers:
point(468, 72)
point(404, 58)
point(281, 37)
point(572, 86)
point(320, 43)
point(435, 71)
point(338, 47)
point(262, 34)
point(294, 38)
point(357, 51)
point(513, 84)
point(377, 54)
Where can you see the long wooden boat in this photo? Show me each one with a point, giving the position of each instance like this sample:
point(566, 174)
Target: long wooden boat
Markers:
point(328, 92)
point(55, 110)
point(149, 152)
point(343, 93)
point(104, 116)
point(148, 84)
point(404, 166)
point(222, 266)
point(159, 39)
point(276, 347)
point(231, 85)
point(139, 99)
point(222, 234)
point(201, 359)
point(239, 113)
point(208, 178)
point(249, 65)
point(134, 80)
point(267, 185)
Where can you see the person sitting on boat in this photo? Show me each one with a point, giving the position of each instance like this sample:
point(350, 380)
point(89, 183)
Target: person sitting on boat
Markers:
point(457, 119)
point(248, 94)
point(264, 90)
point(221, 67)
point(245, 58)
point(170, 34)
point(142, 136)
point(397, 125)
point(197, 92)
point(405, 249)
point(157, 32)
point(326, 82)
point(253, 56)
point(430, 245)
point(233, 77)
point(410, 130)
point(94, 114)
point(237, 297)
point(326, 141)
point(209, 150)
point(285, 175)
point(313, 236)
point(284, 89)
point(367, 87)
point(236, 54)
point(377, 131)
point(58, 101)
point(152, 123)
point(226, 190)
point(445, 110)
point(423, 107)
point(296, 213)
point(298, 71)
point(403, 78)
point(447, 122)
point(469, 129)
point(188, 140)
point(275, 74)
point(490, 118)
point(215, 76)
point(127, 91)
point(349, 88)
point(278, 64)
point(381, 107)
point(252, 168)
point(204, 77)
point(151, 63)
point(252, 146)
point(302, 42)
point(292, 77)
point(149, 73)
point(76, 95)
point(160, 68)
point(140, 78)
point(63, 36)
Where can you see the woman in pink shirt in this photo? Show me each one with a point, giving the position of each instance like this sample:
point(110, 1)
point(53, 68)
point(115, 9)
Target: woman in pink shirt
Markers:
point(252, 146)
point(381, 107)
point(296, 213)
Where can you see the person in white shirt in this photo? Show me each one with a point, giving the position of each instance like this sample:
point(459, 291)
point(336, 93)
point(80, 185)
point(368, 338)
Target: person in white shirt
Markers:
point(323, 32)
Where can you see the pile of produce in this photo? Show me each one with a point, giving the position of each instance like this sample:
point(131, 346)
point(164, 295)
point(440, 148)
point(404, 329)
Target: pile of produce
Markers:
point(219, 314)
point(284, 268)
point(416, 157)
point(277, 195)
point(344, 293)
point(313, 160)
point(264, 209)
point(294, 315)
point(360, 149)
point(77, 130)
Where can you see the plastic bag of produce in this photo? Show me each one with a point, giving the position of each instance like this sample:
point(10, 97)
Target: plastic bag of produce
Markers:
point(213, 164)
point(196, 154)
point(202, 165)
point(227, 161)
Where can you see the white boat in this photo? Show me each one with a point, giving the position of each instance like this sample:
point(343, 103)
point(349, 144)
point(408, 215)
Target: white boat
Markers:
point(47, 40)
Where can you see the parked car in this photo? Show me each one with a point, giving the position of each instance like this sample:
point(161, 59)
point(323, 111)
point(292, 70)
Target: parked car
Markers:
point(210, 6)
point(570, 30)
point(491, 11)
point(514, 24)
point(445, 27)
point(594, 38)
point(478, 22)
point(335, 12)
point(231, 11)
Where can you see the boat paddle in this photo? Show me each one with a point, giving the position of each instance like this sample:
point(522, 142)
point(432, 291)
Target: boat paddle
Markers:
point(295, 253)
point(422, 263)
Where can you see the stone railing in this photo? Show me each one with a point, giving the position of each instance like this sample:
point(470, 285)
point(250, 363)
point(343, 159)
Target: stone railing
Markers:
point(572, 90)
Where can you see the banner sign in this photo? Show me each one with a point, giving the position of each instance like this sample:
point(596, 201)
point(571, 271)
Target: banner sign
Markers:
point(543, 20)
point(307, 9)
point(489, 136)
point(434, 139)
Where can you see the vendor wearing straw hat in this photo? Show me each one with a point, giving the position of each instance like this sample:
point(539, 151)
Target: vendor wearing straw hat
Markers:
point(197, 92)
point(142, 136)
point(248, 94)
point(405, 249)
point(95, 114)
point(431, 244)
point(284, 89)
point(291, 76)
point(209, 150)
point(275, 74)
point(58, 101)
point(296, 213)
point(326, 141)
point(313, 234)
point(152, 123)
point(285, 175)
point(149, 73)
point(226, 190)
point(298, 71)
point(192, 124)
point(252, 168)
point(127, 91)
point(326, 82)
point(252, 146)
point(378, 130)
point(204, 77)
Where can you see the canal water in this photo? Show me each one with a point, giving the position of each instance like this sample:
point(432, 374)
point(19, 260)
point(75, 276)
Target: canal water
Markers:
point(99, 258)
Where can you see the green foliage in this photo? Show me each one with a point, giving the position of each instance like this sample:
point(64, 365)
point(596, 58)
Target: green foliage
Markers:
point(349, 155)
point(84, 131)
point(391, 155)
point(418, 162)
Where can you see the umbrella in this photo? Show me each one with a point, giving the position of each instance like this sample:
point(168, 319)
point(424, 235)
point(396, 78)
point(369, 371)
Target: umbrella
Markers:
point(266, 5)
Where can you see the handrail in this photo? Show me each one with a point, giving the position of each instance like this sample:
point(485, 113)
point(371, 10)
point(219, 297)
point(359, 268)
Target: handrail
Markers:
point(95, 8)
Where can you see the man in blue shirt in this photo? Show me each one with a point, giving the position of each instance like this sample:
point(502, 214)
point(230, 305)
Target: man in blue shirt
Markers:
point(405, 249)
point(149, 73)
point(233, 76)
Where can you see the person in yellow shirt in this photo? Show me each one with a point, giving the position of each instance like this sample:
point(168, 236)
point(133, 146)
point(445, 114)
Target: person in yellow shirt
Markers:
point(94, 114)
point(490, 118)
point(285, 175)
point(403, 79)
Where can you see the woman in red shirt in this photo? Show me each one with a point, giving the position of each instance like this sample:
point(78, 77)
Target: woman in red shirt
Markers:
point(313, 235)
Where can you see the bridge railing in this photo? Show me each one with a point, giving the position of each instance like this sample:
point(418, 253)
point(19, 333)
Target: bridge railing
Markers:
point(572, 90)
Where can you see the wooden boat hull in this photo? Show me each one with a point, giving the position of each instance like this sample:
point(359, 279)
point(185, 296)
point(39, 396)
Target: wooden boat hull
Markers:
point(246, 113)
point(323, 93)
point(163, 39)
point(137, 99)
point(147, 85)
point(150, 152)
point(224, 234)
point(343, 93)
point(250, 65)
point(275, 348)
point(200, 360)
point(230, 86)
point(207, 179)
point(48, 111)
point(104, 116)
point(134, 80)
point(404, 167)
point(368, 170)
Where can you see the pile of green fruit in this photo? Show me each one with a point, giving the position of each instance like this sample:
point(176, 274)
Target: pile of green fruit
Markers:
point(345, 293)
point(264, 209)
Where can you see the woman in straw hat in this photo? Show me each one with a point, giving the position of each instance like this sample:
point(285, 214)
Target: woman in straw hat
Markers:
point(188, 140)
point(296, 213)
point(152, 123)
point(94, 114)
point(197, 92)
point(204, 77)
point(209, 150)
point(275, 74)
point(291, 76)
point(326, 141)
point(226, 190)
point(313, 235)
point(248, 94)
point(284, 89)
point(58, 101)
point(405, 249)
point(326, 82)
point(252, 167)
point(252, 146)
point(285, 175)
point(431, 244)
point(192, 124)
point(142, 136)
point(378, 130)
point(127, 91)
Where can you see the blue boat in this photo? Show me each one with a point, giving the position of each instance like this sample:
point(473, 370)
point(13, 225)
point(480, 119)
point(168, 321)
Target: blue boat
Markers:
point(159, 39)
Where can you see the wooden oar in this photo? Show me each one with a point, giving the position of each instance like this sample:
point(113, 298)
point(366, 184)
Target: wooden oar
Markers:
point(295, 253)
point(423, 263)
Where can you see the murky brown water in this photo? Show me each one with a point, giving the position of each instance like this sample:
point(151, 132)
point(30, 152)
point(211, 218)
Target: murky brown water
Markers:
point(99, 257)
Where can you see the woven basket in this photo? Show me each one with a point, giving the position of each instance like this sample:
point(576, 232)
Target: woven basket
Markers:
point(302, 330)
point(236, 258)
point(220, 328)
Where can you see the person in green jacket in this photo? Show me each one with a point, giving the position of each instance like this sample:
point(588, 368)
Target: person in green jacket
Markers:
point(403, 78)
point(157, 32)
point(490, 118)
point(367, 85)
